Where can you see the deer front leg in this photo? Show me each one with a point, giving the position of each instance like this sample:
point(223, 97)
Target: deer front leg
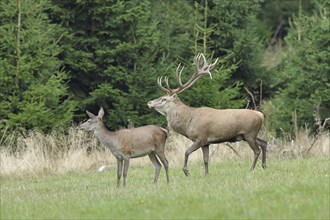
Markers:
point(119, 171)
point(205, 150)
point(126, 165)
point(197, 144)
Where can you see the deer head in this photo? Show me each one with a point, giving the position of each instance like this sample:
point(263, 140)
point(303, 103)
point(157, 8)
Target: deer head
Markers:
point(93, 121)
point(164, 103)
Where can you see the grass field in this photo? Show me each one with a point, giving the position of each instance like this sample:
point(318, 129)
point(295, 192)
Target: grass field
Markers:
point(288, 189)
point(55, 176)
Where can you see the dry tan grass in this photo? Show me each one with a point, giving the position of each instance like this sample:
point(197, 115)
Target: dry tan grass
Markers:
point(58, 153)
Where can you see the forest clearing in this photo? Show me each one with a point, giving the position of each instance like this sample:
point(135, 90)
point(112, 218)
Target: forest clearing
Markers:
point(57, 177)
point(255, 72)
point(289, 189)
point(72, 188)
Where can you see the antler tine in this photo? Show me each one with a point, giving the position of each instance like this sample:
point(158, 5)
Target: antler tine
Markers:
point(199, 71)
point(212, 65)
point(196, 59)
point(178, 74)
point(167, 84)
point(206, 67)
point(160, 85)
point(204, 60)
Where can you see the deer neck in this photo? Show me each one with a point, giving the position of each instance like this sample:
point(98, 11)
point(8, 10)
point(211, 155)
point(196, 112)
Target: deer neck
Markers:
point(106, 137)
point(179, 117)
point(101, 131)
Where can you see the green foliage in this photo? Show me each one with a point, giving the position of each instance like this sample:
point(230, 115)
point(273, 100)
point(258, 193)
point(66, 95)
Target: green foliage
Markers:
point(303, 77)
point(33, 90)
point(228, 34)
point(215, 92)
point(235, 31)
point(109, 53)
point(175, 26)
point(275, 16)
point(124, 46)
point(116, 46)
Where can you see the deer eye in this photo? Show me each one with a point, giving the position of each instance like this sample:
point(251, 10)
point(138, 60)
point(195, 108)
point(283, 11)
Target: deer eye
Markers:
point(162, 100)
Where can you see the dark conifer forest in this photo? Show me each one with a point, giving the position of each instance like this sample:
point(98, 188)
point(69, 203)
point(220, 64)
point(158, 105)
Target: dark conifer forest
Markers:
point(59, 58)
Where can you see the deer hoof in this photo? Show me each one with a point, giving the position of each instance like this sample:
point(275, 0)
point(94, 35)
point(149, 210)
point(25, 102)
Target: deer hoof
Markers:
point(186, 172)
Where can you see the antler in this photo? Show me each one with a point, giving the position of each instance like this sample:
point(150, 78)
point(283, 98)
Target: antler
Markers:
point(199, 71)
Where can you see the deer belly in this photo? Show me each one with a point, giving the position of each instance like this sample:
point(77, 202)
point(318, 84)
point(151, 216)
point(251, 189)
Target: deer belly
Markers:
point(222, 139)
point(140, 153)
point(116, 153)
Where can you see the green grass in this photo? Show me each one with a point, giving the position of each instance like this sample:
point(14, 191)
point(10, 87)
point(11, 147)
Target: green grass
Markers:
point(288, 189)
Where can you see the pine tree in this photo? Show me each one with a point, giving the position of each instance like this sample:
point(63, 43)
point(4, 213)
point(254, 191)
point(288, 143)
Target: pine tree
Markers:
point(117, 49)
point(303, 76)
point(110, 55)
point(217, 33)
point(235, 31)
point(33, 88)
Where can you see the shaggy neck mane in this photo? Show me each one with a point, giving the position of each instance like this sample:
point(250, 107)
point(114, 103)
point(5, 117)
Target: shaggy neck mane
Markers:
point(179, 117)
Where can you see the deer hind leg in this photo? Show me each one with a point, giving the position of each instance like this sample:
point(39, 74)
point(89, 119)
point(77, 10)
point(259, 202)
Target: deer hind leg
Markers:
point(119, 171)
point(256, 150)
point(156, 164)
point(263, 145)
point(197, 144)
point(205, 150)
point(164, 161)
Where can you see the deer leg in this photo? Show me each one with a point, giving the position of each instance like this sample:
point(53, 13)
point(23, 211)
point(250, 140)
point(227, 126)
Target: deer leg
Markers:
point(263, 145)
point(164, 161)
point(197, 144)
point(156, 164)
point(256, 150)
point(205, 150)
point(119, 171)
point(126, 165)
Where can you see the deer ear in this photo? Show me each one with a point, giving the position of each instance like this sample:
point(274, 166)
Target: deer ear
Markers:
point(101, 113)
point(91, 115)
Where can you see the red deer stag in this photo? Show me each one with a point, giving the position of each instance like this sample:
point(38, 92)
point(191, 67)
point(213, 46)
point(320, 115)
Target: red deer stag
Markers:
point(130, 143)
point(205, 126)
